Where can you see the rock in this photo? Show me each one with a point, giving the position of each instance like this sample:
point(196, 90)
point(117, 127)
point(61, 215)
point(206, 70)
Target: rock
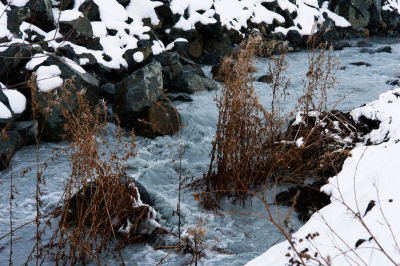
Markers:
point(330, 34)
point(190, 82)
point(309, 199)
point(107, 92)
point(342, 68)
point(265, 79)
point(294, 37)
point(375, 11)
point(341, 45)
point(41, 14)
point(362, 44)
point(8, 146)
point(137, 92)
point(195, 69)
point(27, 130)
point(144, 194)
point(66, 4)
point(136, 212)
point(160, 119)
point(13, 61)
point(363, 32)
point(53, 123)
point(393, 82)
point(215, 70)
point(213, 46)
point(385, 49)
point(78, 29)
point(210, 58)
point(195, 49)
point(15, 16)
point(145, 49)
point(91, 10)
point(167, 58)
point(355, 11)
point(360, 64)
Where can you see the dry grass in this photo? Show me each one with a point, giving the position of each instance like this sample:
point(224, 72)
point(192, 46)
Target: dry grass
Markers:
point(254, 146)
point(100, 210)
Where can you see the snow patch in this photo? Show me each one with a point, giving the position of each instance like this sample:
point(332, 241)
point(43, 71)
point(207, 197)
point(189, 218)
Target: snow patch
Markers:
point(16, 99)
point(48, 78)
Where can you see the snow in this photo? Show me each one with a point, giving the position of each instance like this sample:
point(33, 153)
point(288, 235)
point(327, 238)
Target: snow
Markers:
point(4, 111)
point(16, 99)
point(299, 142)
point(37, 59)
point(385, 109)
point(138, 57)
point(69, 15)
point(369, 176)
point(83, 61)
point(3, 21)
point(157, 47)
point(172, 44)
point(18, 3)
point(307, 11)
point(391, 5)
point(48, 78)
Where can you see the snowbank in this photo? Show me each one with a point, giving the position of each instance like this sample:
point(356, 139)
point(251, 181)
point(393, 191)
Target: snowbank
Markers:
point(363, 218)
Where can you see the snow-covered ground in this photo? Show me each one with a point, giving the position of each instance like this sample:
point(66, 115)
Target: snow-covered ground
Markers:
point(361, 225)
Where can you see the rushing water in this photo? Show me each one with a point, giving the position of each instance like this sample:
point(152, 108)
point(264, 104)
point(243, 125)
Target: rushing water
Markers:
point(243, 237)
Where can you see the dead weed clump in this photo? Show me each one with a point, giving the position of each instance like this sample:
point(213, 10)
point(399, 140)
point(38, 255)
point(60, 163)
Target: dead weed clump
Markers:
point(255, 146)
point(101, 209)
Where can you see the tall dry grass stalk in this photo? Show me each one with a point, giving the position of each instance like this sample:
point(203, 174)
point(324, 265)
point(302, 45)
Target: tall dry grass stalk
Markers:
point(236, 159)
point(100, 209)
point(254, 146)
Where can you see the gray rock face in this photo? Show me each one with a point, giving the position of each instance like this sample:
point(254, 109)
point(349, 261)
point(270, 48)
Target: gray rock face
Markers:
point(355, 11)
point(79, 29)
point(189, 82)
point(137, 92)
point(53, 122)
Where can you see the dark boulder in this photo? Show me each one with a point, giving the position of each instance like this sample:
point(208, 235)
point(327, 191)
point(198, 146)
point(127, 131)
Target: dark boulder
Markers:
point(41, 14)
point(160, 119)
point(265, 79)
point(107, 92)
point(190, 82)
point(385, 49)
point(294, 37)
point(355, 11)
point(137, 92)
point(78, 29)
point(360, 64)
point(15, 16)
point(53, 123)
point(27, 130)
point(91, 10)
point(13, 61)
